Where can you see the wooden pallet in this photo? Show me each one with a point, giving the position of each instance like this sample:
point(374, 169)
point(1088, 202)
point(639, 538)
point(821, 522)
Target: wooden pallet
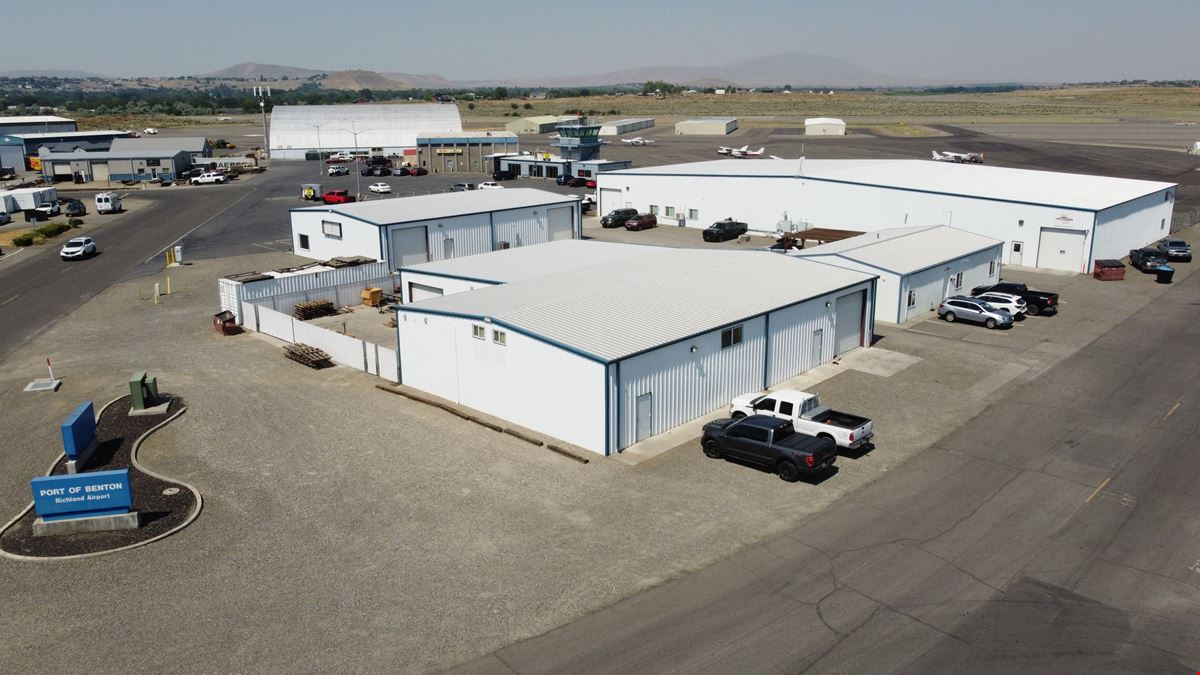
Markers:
point(307, 355)
point(313, 309)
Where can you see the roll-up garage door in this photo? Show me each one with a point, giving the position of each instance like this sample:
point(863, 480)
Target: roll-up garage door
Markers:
point(62, 169)
point(1060, 249)
point(560, 223)
point(99, 171)
point(418, 292)
point(849, 322)
point(410, 246)
point(609, 200)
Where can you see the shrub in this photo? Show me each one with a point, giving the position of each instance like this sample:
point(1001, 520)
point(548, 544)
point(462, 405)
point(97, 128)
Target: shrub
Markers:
point(528, 106)
point(23, 239)
point(52, 229)
point(75, 222)
point(38, 239)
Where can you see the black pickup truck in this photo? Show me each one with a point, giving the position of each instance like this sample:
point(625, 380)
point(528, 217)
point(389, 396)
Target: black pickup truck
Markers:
point(770, 443)
point(1036, 302)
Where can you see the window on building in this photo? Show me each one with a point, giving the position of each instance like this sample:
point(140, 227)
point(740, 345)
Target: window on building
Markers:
point(670, 211)
point(500, 337)
point(1020, 223)
point(1017, 247)
point(991, 270)
point(653, 210)
point(153, 162)
point(958, 280)
point(731, 336)
point(585, 173)
point(304, 242)
point(1163, 224)
point(478, 332)
point(912, 298)
point(693, 214)
point(331, 229)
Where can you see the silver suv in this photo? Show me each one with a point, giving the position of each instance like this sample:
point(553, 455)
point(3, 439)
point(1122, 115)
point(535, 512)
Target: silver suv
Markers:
point(972, 309)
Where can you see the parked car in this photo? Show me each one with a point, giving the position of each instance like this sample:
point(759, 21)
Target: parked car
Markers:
point(337, 197)
point(490, 185)
point(617, 217)
point(339, 170)
point(1177, 250)
point(366, 170)
point(769, 443)
point(807, 416)
point(77, 248)
point(590, 182)
point(208, 177)
point(337, 159)
point(564, 179)
point(108, 202)
point(586, 204)
point(1036, 302)
point(74, 209)
point(48, 209)
point(1013, 304)
point(5, 218)
point(418, 171)
point(400, 171)
point(380, 188)
point(725, 230)
point(380, 170)
point(642, 221)
point(462, 187)
point(191, 173)
point(972, 309)
point(1147, 259)
point(506, 175)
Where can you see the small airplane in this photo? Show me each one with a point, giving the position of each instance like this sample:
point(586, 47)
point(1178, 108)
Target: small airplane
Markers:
point(722, 150)
point(745, 153)
point(224, 119)
point(958, 157)
point(150, 131)
point(636, 141)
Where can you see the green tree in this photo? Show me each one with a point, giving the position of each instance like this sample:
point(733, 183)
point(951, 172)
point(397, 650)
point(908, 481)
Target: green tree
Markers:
point(500, 93)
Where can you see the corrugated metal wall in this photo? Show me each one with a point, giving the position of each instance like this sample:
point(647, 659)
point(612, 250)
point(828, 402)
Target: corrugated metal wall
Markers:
point(520, 227)
point(448, 285)
point(688, 384)
point(472, 235)
point(794, 347)
point(932, 287)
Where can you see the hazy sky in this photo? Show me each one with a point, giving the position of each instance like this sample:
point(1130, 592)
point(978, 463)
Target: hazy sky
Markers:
point(970, 40)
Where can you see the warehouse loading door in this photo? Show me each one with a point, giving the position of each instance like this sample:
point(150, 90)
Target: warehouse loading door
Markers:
point(62, 170)
point(848, 324)
point(410, 246)
point(560, 223)
point(418, 292)
point(1060, 249)
point(99, 171)
point(609, 200)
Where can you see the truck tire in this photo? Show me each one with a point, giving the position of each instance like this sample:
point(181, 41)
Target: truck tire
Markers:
point(949, 317)
point(788, 471)
point(738, 415)
point(1033, 310)
point(712, 450)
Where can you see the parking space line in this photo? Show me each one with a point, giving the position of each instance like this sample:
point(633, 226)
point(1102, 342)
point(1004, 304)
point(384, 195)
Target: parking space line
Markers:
point(10, 300)
point(1097, 490)
point(1172, 410)
point(66, 269)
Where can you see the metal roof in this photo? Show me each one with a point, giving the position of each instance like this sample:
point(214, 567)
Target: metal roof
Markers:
point(708, 119)
point(443, 205)
point(527, 262)
point(627, 120)
point(378, 126)
point(108, 154)
point(503, 137)
point(542, 119)
point(904, 250)
point(1028, 186)
point(824, 120)
point(69, 134)
point(33, 119)
point(612, 310)
point(187, 143)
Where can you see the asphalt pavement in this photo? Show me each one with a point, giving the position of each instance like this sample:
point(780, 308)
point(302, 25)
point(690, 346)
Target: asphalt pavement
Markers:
point(1055, 532)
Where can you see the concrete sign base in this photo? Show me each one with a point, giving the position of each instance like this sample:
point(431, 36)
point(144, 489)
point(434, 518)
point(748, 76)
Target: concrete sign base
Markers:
point(77, 465)
point(118, 521)
point(159, 409)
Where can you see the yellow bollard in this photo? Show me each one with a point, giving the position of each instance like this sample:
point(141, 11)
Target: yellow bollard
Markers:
point(168, 285)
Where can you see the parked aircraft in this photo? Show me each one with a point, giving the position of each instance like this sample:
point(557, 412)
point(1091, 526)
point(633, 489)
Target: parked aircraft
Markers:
point(744, 153)
point(722, 150)
point(636, 141)
point(958, 157)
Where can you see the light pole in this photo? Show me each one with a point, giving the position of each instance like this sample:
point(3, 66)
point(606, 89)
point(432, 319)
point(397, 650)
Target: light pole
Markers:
point(354, 131)
point(263, 93)
point(320, 164)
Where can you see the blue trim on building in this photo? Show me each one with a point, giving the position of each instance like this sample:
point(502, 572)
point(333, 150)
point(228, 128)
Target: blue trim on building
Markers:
point(766, 351)
point(607, 412)
point(617, 447)
point(454, 276)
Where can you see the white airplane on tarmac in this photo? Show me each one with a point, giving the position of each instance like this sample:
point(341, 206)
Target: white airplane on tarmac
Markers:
point(744, 153)
point(636, 141)
point(722, 150)
point(958, 157)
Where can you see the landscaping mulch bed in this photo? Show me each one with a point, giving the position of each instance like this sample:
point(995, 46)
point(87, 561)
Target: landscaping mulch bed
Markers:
point(158, 513)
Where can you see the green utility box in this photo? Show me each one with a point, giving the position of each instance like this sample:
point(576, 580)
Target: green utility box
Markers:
point(143, 391)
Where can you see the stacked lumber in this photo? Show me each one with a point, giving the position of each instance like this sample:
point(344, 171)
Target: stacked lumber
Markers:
point(307, 355)
point(313, 309)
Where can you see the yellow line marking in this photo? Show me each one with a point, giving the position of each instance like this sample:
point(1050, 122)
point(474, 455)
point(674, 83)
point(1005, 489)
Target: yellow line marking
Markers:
point(1172, 410)
point(1098, 489)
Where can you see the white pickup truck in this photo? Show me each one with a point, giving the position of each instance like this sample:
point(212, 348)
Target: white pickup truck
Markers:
point(210, 177)
point(808, 416)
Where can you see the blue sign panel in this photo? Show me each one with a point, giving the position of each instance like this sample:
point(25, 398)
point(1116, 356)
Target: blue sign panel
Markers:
point(79, 430)
point(81, 495)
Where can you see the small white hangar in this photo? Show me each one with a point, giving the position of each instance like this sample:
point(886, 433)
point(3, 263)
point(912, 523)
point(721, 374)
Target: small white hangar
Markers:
point(412, 230)
point(1047, 219)
point(824, 126)
point(625, 126)
point(606, 354)
point(918, 267)
point(707, 126)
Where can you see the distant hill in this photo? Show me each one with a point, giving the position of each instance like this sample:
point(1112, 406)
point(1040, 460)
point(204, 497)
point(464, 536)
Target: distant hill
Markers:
point(426, 81)
point(354, 80)
point(253, 71)
point(79, 74)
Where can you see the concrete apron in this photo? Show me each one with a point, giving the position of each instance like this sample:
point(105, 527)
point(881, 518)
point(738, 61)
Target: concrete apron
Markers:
point(874, 360)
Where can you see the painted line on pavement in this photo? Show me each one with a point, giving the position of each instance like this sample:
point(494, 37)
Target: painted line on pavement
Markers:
point(1097, 490)
point(10, 300)
point(1172, 410)
point(9, 256)
point(209, 219)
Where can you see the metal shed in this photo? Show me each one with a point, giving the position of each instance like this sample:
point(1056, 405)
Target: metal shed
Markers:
point(824, 126)
point(610, 353)
point(297, 130)
point(542, 124)
point(625, 126)
point(707, 126)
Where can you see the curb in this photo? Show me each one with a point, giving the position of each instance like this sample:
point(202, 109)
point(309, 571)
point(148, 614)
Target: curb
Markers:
point(133, 459)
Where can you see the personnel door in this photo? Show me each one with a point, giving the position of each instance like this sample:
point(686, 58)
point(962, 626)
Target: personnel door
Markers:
point(644, 421)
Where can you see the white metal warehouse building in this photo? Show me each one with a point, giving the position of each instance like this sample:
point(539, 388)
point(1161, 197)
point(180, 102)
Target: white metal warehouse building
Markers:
point(824, 126)
point(918, 267)
point(1046, 219)
point(382, 129)
point(706, 126)
point(610, 353)
point(412, 230)
point(625, 126)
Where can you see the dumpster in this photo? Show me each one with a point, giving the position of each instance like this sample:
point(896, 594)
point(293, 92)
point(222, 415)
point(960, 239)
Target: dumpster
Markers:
point(1109, 270)
point(1165, 273)
point(225, 323)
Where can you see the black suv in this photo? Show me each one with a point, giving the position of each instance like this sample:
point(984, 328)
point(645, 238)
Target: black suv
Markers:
point(725, 230)
point(1175, 249)
point(617, 217)
point(505, 175)
point(1147, 259)
point(770, 443)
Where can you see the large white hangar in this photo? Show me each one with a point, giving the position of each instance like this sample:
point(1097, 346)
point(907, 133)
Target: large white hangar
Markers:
point(609, 353)
point(1045, 219)
point(918, 267)
point(304, 131)
point(414, 230)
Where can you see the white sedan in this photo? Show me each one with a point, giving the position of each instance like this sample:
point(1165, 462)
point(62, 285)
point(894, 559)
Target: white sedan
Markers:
point(380, 188)
point(1013, 304)
point(490, 185)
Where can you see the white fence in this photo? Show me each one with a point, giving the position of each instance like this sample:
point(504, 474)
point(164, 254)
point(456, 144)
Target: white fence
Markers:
point(342, 286)
point(343, 349)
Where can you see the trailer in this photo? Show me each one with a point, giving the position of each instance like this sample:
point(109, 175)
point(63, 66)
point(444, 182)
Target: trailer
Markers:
point(27, 199)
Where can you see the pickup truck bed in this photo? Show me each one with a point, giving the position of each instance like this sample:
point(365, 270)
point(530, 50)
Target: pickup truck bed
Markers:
point(839, 419)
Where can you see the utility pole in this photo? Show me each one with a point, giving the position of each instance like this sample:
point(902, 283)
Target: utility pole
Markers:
point(262, 94)
point(320, 157)
point(354, 131)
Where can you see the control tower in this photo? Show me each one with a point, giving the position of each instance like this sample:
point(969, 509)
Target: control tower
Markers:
point(577, 139)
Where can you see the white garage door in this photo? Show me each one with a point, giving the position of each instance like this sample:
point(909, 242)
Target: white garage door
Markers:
point(99, 171)
point(561, 224)
point(849, 322)
point(609, 200)
point(62, 168)
point(410, 246)
point(418, 292)
point(1061, 249)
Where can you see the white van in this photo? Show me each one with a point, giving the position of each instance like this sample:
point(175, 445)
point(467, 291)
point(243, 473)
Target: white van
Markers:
point(108, 202)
